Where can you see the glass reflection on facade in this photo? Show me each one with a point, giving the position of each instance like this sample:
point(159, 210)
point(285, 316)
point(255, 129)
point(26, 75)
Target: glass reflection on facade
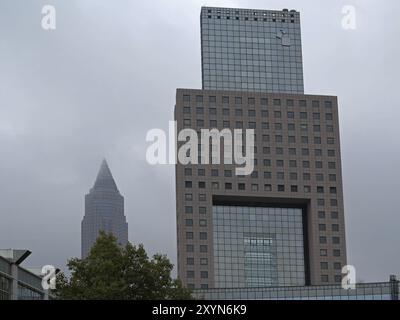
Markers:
point(258, 247)
point(260, 264)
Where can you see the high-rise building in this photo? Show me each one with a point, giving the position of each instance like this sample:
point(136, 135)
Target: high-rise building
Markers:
point(251, 50)
point(282, 225)
point(104, 211)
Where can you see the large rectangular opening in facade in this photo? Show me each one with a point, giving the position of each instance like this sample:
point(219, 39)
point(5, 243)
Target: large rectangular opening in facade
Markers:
point(259, 242)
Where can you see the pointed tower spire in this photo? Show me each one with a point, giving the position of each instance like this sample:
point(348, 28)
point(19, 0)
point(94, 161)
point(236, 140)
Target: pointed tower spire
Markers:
point(104, 178)
point(104, 211)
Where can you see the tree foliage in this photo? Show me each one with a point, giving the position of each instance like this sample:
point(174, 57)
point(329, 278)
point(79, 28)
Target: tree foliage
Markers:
point(110, 272)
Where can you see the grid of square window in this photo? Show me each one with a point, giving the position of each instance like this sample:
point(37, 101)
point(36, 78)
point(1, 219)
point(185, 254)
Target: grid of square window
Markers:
point(258, 247)
point(300, 140)
point(251, 51)
point(297, 155)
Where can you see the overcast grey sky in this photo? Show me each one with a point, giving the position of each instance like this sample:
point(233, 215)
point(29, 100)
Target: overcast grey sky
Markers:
point(94, 87)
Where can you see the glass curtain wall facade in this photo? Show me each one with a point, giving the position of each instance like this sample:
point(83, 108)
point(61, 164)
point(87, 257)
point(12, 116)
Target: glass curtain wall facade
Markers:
point(16, 282)
point(251, 50)
point(5, 288)
point(362, 291)
point(25, 293)
point(258, 247)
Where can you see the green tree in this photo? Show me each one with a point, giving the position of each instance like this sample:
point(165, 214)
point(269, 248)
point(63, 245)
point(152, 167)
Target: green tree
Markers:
point(111, 272)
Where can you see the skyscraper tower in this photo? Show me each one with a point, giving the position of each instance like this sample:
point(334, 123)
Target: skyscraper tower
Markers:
point(282, 225)
point(104, 211)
